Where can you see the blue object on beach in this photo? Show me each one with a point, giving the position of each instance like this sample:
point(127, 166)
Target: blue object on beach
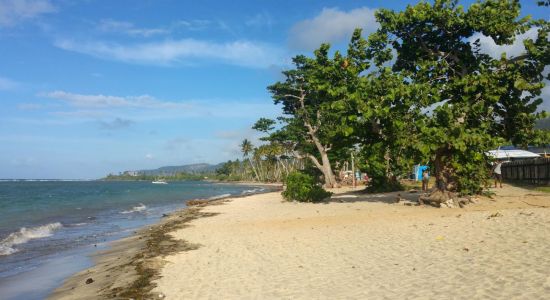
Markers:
point(419, 170)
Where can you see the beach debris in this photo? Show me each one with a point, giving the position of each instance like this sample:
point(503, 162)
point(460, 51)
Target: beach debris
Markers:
point(465, 249)
point(165, 215)
point(459, 215)
point(495, 215)
point(399, 198)
point(89, 280)
point(439, 238)
point(526, 214)
point(448, 204)
point(196, 202)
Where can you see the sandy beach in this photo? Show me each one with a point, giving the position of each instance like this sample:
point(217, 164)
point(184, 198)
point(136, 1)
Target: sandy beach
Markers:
point(357, 246)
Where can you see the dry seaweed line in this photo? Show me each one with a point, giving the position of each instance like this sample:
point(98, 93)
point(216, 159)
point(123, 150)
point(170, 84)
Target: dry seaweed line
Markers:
point(147, 264)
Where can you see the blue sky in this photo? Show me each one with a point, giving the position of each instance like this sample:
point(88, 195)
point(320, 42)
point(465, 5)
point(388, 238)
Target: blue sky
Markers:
point(92, 87)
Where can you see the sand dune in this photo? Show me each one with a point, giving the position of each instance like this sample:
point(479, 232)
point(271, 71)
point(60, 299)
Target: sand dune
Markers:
point(363, 247)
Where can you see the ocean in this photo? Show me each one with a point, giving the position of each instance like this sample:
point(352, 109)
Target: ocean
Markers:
point(48, 228)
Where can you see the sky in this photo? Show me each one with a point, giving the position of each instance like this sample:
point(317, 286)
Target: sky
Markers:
point(92, 87)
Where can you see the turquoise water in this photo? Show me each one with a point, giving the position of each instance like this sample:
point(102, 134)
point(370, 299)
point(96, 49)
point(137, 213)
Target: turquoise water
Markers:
point(44, 221)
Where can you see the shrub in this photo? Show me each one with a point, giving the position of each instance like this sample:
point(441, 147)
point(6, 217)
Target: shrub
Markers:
point(303, 188)
point(384, 185)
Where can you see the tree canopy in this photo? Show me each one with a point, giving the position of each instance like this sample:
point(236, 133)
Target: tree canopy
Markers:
point(420, 89)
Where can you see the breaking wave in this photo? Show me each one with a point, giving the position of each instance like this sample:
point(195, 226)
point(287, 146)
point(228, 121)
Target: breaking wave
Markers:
point(219, 196)
point(26, 234)
point(138, 208)
point(253, 191)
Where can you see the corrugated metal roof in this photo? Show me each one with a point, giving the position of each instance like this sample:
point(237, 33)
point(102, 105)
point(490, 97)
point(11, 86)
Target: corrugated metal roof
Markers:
point(504, 154)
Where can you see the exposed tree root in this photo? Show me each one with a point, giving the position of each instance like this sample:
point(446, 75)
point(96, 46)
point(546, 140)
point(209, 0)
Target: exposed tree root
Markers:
point(441, 198)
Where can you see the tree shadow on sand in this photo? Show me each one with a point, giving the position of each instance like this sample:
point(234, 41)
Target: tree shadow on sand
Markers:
point(406, 197)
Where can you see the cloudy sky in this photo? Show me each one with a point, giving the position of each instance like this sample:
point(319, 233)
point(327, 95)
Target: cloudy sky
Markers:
point(92, 87)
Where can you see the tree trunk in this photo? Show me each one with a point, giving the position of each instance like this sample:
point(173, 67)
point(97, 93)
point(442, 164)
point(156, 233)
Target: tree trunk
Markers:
point(254, 170)
point(330, 180)
point(445, 185)
point(325, 168)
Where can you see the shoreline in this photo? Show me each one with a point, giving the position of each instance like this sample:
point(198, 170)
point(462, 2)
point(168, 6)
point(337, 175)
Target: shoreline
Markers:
point(127, 267)
point(129, 264)
point(148, 263)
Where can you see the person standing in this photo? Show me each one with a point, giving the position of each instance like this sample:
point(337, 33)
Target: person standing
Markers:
point(497, 173)
point(425, 180)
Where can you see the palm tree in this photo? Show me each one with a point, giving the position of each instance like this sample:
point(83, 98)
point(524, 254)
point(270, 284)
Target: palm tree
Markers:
point(247, 148)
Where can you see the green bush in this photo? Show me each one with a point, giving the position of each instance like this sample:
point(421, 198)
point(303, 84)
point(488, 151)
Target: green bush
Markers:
point(383, 185)
point(303, 188)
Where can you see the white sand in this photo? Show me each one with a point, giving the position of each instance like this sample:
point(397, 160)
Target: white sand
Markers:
point(259, 247)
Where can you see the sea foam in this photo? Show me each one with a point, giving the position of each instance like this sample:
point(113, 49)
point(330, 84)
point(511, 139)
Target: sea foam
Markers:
point(138, 208)
point(253, 191)
point(26, 234)
point(219, 196)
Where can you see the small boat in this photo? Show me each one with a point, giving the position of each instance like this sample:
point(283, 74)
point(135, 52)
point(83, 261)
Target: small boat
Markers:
point(159, 181)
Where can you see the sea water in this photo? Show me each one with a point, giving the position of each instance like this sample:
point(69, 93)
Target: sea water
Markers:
point(48, 227)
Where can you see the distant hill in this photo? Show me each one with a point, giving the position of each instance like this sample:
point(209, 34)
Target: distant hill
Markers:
point(189, 169)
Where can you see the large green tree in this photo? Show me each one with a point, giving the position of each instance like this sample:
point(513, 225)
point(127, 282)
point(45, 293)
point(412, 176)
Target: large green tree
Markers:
point(471, 101)
point(312, 94)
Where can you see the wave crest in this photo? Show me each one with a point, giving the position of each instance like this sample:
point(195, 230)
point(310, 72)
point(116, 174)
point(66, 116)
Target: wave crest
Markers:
point(252, 191)
point(138, 208)
point(26, 234)
point(219, 196)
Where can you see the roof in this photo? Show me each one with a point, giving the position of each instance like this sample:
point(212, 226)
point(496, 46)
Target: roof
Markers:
point(506, 154)
point(534, 149)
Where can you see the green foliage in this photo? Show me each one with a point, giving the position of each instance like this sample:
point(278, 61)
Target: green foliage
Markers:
point(418, 90)
point(470, 102)
point(303, 187)
point(383, 184)
point(314, 98)
point(264, 125)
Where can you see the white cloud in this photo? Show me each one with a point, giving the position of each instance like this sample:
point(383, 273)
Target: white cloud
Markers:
point(236, 134)
point(93, 107)
point(15, 11)
point(177, 52)
point(106, 101)
point(7, 84)
point(488, 46)
point(149, 156)
point(30, 106)
point(331, 25)
point(260, 20)
point(129, 28)
point(117, 123)
point(193, 25)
